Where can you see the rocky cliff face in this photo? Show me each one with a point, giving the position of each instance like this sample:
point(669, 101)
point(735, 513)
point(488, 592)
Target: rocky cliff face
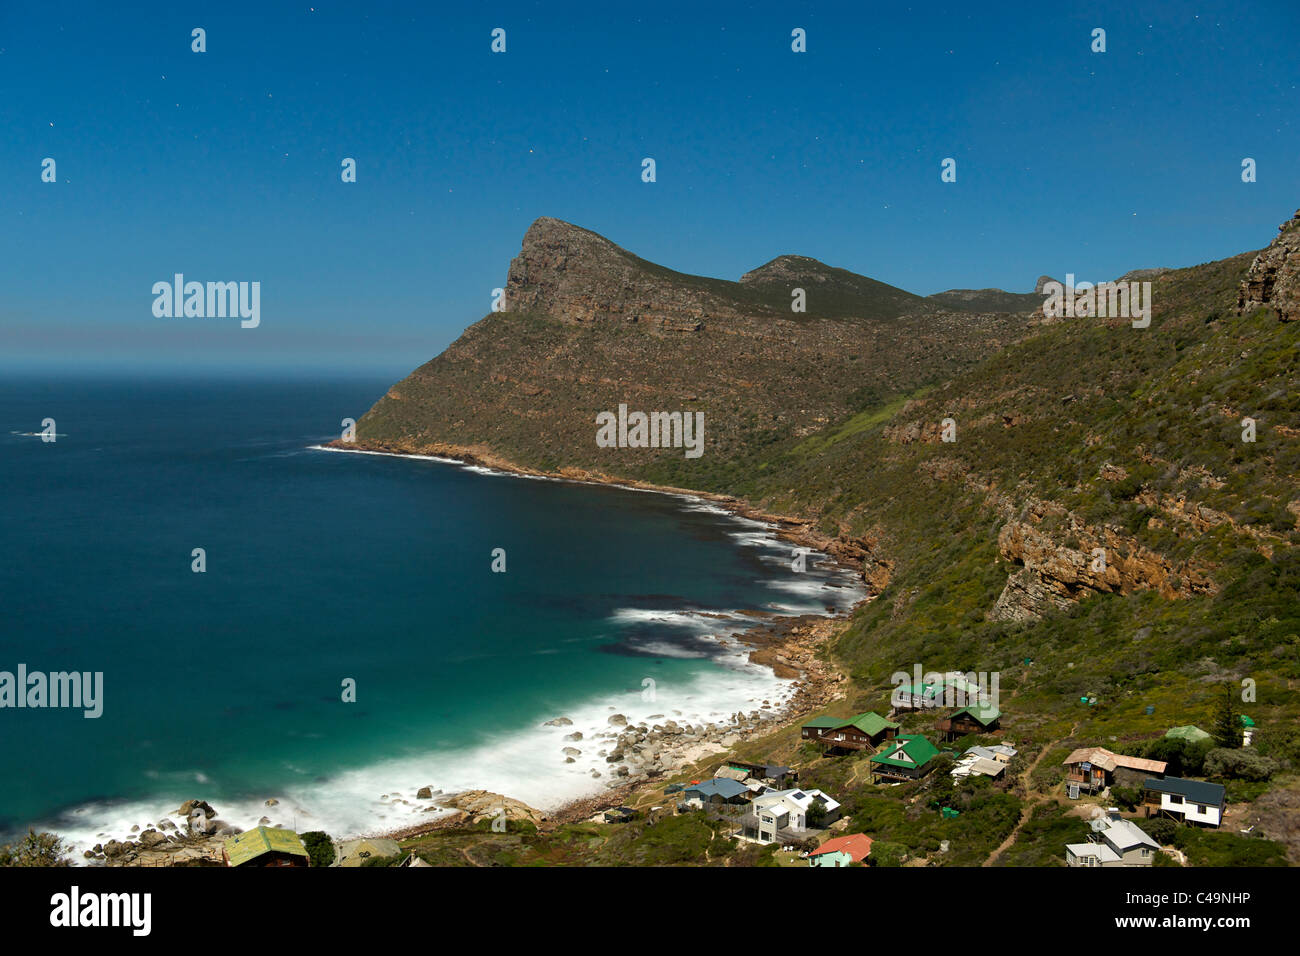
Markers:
point(1063, 559)
point(1274, 276)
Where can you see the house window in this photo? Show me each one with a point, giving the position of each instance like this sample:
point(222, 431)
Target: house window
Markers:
point(1201, 809)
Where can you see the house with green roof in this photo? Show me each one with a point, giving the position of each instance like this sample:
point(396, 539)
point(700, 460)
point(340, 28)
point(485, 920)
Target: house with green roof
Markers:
point(266, 846)
point(975, 719)
point(909, 697)
point(814, 728)
point(907, 757)
point(863, 731)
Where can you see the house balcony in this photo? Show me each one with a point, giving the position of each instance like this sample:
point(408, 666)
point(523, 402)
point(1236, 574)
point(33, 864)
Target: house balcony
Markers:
point(750, 830)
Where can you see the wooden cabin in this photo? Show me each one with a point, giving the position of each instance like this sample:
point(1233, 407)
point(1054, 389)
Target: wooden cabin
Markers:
point(975, 719)
point(908, 757)
point(865, 731)
point(1095, 768)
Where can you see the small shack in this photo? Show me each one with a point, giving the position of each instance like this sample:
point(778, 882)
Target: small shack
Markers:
point(773, 775)
point(265, 846)
point(1095, 768)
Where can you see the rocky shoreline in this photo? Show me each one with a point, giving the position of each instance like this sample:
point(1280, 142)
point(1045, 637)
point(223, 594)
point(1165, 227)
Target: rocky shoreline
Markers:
point(645, 756)
point(638, 755)
point(642, 754)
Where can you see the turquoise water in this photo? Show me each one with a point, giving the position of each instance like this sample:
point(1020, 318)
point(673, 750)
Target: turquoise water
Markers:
point(226, 685)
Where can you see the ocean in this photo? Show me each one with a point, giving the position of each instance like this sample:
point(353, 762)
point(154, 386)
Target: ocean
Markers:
point(325, 567)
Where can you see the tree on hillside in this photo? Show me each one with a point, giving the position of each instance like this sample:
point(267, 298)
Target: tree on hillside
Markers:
point(319, 847)
point(1225, 730)
point(816, 815)
point(36, 849)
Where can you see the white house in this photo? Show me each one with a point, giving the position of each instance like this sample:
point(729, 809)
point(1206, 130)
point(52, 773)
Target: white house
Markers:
point(784, 814)
point(1194, 801)
point(1114, 841)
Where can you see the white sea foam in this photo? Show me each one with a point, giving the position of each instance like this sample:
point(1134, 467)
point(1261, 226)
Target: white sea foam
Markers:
point(525, 763)
point(387, 454)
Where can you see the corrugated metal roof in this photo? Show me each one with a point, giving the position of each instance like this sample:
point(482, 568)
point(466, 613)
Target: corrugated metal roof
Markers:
point(1197, 791)
point(990, 768)
point(251, 844)
point(871, 723)
point(1103, 758)
point(1125, 834)
point(825, 721)
point(1097, 756)
point(723, 787)
point(1100, 850)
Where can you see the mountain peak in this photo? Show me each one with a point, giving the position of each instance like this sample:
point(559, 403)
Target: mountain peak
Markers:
point(788, 267)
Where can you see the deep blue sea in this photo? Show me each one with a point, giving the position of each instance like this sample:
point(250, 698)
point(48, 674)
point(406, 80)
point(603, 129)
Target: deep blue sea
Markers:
point(321, 566)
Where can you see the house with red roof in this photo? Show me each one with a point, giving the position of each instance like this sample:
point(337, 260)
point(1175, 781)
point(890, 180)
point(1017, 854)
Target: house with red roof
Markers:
point(842, 851)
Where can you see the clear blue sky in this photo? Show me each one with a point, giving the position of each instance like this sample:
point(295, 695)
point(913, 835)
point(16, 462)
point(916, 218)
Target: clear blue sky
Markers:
point(225, 165)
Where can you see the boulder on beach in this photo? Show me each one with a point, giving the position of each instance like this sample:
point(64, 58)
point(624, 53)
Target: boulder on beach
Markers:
point(424, 793)
point(618, 720)
point(559, 722)
point(485, 805)
point(187, 808)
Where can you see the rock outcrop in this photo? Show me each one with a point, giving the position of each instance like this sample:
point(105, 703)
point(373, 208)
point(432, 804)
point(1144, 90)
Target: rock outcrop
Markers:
point(1274, 277)
point(572, 274)
point(1064, 559)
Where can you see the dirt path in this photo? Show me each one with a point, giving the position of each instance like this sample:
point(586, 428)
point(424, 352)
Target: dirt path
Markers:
point(1031, 801)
